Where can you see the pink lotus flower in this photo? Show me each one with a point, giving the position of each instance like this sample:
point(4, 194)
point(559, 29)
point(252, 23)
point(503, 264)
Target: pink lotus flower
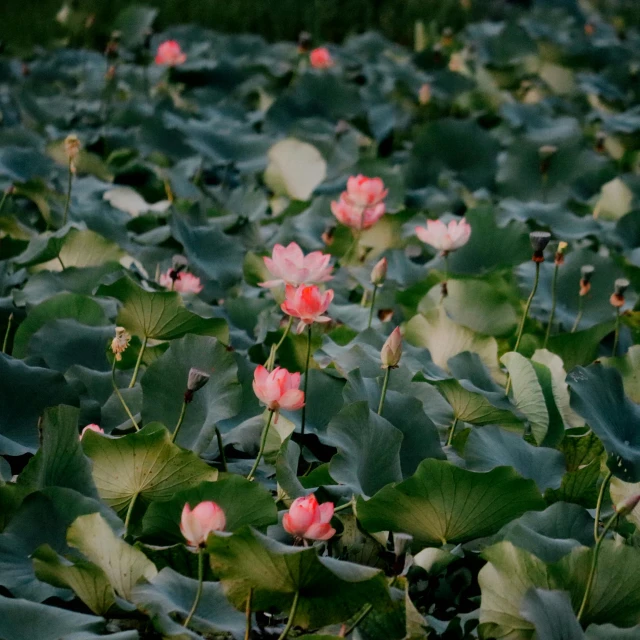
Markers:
point(308, 519)
point(307, 303)
point(197, 524)
point(360, 206)
point(184, 282)
point(320, 58)
point(170, 54)
point(392, 350)
point(289, 265)
point(444, 237)
point(278, 389)
point(91, 427)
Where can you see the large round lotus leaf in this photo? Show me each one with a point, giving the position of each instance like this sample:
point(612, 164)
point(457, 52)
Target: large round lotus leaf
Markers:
point(551, 614)
point(629, 367)
point(443, 504)
point(329, 590)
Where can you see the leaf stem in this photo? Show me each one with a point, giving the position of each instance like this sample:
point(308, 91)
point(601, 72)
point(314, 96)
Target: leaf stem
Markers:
point(263, 443)
point(5, 194)
point(524, 318)
point(65, 215)
point(292, 615)
point(554, 285)
point(138, 361)
point(365, 612)
point(373, 303)
point(117, 392)
point(616, 335)
point(306, 383)
point(223, 457)
point(271, 361)
point(342, 507)
point(452, 430)
point(183, 412)
point(127, 518)
point(196, 601)
point(247, 633)
point(580, 314)
point(603, 488)
point(385, 384)
point(5, 342)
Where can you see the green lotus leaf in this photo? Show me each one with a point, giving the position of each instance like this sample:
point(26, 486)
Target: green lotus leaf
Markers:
point(551, 614)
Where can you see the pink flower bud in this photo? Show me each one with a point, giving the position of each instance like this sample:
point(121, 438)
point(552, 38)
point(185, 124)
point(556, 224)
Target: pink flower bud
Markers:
point(91, 427)
point(320, 58)
point(379, 272)
point(307, 303)
point(170, 54)
point(392, 350)
point(278, 389)
point(625, 507)
point(444, 237)
point(180, 281)
point(197, 524)
point(308, 519)
point(290, 266)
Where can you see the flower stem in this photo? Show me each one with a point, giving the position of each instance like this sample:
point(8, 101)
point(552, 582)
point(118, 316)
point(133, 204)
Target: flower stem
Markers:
point(306, 383)
point(444, 284)
point(247, 633)
point(352, 247)
point(342, 507)
point(127, 519)
point(554, 284)
point(117, 392)
point(138, 361)
point(385, 384)
point(5, 342)
point(524, 318)
point(223, 457)
point(5, 194)
point(196, 601)
point(452, 430)
point(617, 333)
point(271, 361)
point(183, 411)
point(580, 314)
point(603, 488)
point(65, 215)
point(365, 612)
point(263, 443)
point(594, 564)
point(292, 615)
point(373, 303)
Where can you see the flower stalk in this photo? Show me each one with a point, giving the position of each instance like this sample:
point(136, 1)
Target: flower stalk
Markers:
point(263, 444)
point(196, 601)
point(306, 382)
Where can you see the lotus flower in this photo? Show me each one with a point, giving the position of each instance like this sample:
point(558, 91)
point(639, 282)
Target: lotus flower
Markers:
point(361, 205)
point(197, 524)
point(278, 389)
point(320, 58)
point(308, 519)
point(120, 342)
point(91, 427)
point(170, 54)
point(181, 281)
point(289, 265)
point(443, 237)
point(392, 350)
point(307, 303)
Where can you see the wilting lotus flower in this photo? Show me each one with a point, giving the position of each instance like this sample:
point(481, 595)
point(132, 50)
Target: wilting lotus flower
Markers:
point(181, 281)
point(289, 265)
point(120, 342)
point(443, 237)
point(620, 287)
point(307, 303)
point(308, 519)
point(170, 54)
point(320, 58)
point(278, 389)
point(392, 350)
point(197, 524)
point(361, 205)
point(91, 427)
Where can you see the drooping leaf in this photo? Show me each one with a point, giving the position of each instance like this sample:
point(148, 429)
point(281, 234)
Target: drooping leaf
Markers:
point(551, 614)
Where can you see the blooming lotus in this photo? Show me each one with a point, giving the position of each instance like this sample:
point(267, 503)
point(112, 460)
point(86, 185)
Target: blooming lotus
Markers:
point(181, 281)
point(170, 54)
point(289, 265)
point(443, 237)
point(196, 524)
point(307, 303)
point(320, 58)
point(361, 205)
point(278, 389)
point(308, 519)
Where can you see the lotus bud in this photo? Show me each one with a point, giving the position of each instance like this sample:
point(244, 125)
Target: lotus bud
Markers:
point(559, 258)
point(620, 287)
point(586, 273)
point(424, 95)
point(196, 524)
point(196, 380)
point(72, 147)
point(625, 507)
point(120, 342)
point(601, 138)
point(539, 241)
point(392, 350)
point(379, 273)
point(91, 427)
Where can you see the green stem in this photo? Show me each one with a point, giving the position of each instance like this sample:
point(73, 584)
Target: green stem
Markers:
point(5, 194)
point(603, 488)
point(183, 411)
point(138, 362)
point(554, 284)
point(365, 612)
point(263, 443)
point(306, 383)
point(385, 384)
point(617, 332)
point(594, 564)
point(353, 246)
point(127, 519)
point(117, 391)
point(271, 361)
point(61, 263)
point(5, 342)
point(65, 215)
point(196, 601)
point(223, 457)
point(292, 615)
point(348, 505)
point(580, 313)
point(373, 303)
point(247, 633)
point(524, 318)
point(452, 430)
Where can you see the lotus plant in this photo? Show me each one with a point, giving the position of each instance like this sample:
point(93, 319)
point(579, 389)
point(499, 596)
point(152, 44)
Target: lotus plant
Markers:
point(586, 274)
point(91, 427)
point(390, 357)
point(378, 276)
point(558, 261)
point(617, 301)
point(119, 345)
point(195, 381)
point(308, 520)
point(320, 58)
point(170, 54)
point(180, 281)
